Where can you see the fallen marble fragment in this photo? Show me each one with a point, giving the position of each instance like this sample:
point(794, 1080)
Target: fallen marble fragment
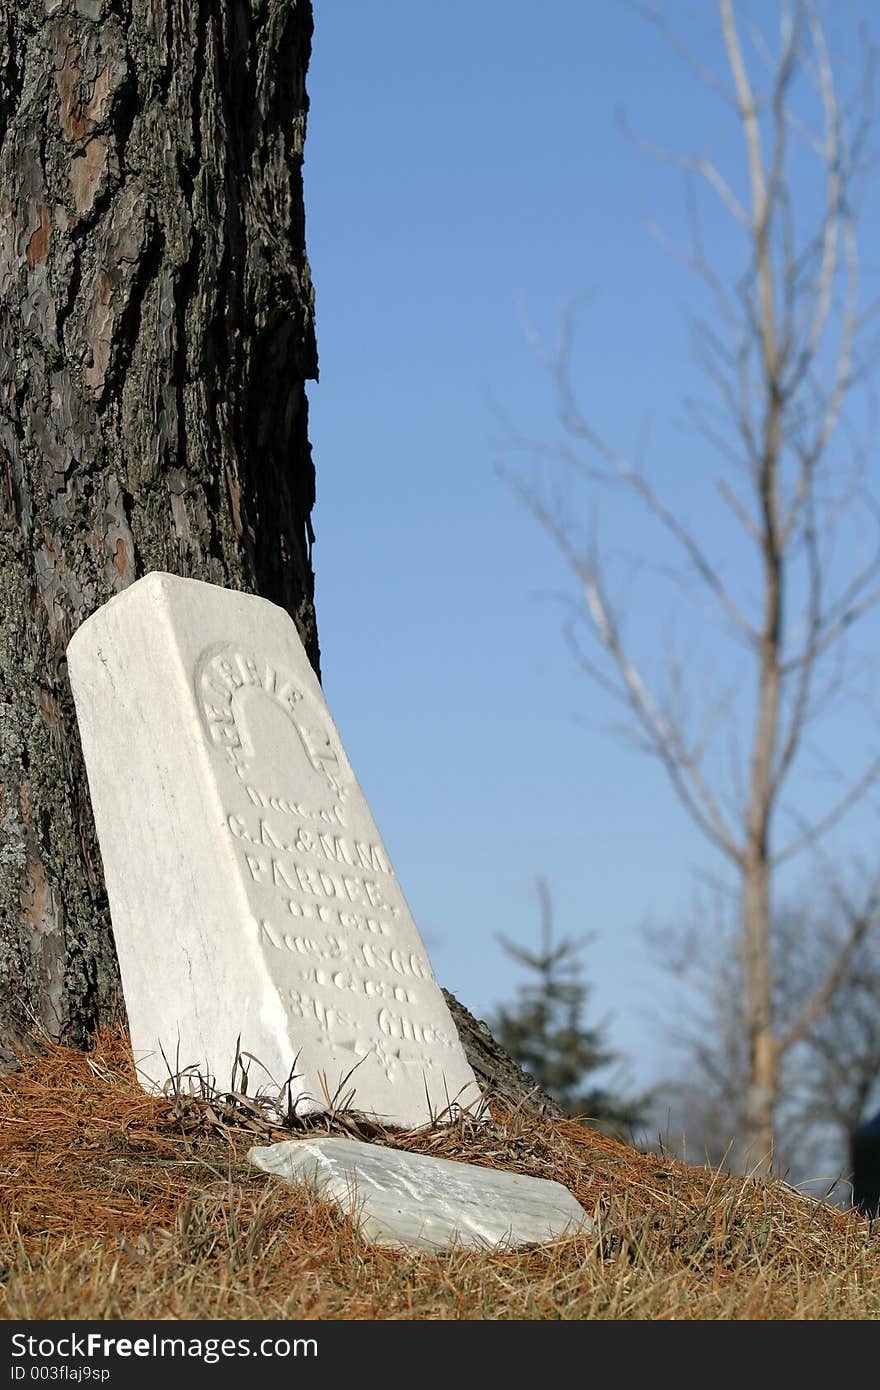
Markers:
point(404, 1199)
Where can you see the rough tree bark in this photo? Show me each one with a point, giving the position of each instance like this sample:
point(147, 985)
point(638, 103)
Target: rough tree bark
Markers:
point(156, 334)
point(157, 329)
point(495, 1069)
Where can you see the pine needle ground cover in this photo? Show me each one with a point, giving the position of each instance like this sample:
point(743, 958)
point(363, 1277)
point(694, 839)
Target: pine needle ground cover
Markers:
point(115, 1204)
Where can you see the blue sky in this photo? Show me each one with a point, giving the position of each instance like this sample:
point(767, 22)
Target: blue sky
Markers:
point(467, 177)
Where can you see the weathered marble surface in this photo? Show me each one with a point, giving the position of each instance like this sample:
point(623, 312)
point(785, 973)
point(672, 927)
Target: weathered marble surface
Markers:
point(250, 891)
point(403, 1198)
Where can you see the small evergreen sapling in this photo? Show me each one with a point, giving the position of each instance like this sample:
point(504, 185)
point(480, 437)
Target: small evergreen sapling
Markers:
point(545, 1030)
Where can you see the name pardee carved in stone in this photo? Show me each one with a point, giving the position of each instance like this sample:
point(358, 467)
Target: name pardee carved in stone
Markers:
point(250, 891)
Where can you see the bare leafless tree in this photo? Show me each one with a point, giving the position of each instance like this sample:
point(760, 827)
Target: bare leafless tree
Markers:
point(783, 348)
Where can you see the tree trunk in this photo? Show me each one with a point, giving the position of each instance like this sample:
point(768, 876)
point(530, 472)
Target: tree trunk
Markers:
point(763, 1080)
point(156, 334)
point(762, 1086)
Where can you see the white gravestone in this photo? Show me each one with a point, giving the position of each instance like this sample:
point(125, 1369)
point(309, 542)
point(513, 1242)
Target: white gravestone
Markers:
point(400, 1198)
point(250, 893)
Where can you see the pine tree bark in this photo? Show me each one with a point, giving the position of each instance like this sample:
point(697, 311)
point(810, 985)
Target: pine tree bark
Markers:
point(156, 332)
point(495, 1070)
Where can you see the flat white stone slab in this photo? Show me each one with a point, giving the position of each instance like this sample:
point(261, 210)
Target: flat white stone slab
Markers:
point(401, 1198)
point(250, 892)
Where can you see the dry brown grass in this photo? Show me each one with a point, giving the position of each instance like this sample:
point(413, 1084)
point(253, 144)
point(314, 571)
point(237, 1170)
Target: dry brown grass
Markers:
point(115, 1204)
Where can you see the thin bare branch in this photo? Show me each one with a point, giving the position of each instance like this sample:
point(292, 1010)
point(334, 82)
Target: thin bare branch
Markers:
point(688, 57)
point(791, 738)
point(697, 164)
point(833, 187)
point(811, 834)
point(834, 629)
point(664, 738)
point(577, 426)
point(760, 207)
point(738, 509)
point(860, 924)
